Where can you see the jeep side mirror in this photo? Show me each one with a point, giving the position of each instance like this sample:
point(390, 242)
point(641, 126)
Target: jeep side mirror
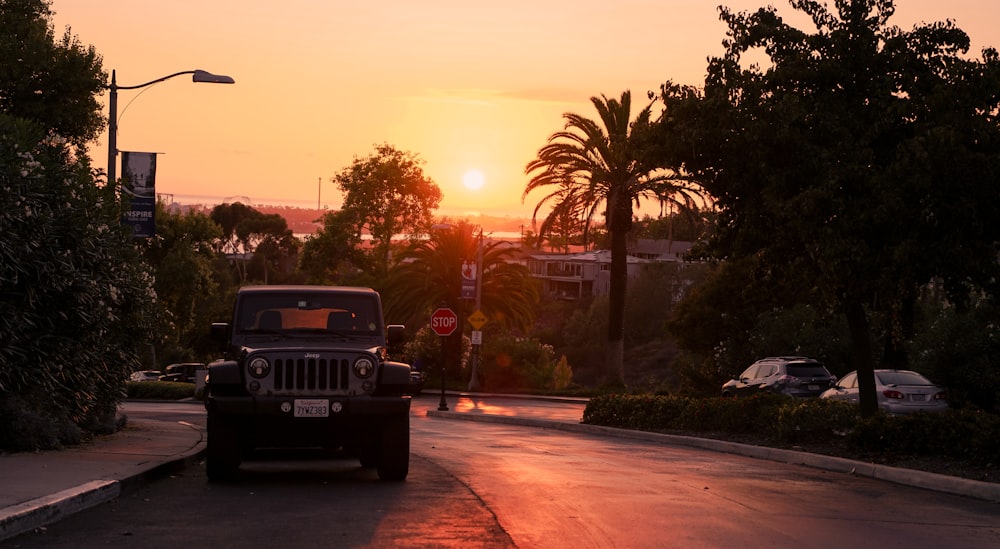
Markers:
point(395, 337)
point(220, 334)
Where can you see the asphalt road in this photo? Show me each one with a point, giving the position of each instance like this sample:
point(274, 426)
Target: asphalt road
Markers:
point(549, 488)
point(475, 484)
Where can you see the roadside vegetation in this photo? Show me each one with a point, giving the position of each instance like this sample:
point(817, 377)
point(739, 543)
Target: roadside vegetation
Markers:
point(159, 390)
point(842, 217)
point(957, 442)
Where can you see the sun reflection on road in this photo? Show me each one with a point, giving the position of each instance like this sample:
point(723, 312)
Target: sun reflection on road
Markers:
point(474, 406)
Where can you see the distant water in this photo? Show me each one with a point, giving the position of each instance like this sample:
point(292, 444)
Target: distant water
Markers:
point(206, 200)
point(256, 201)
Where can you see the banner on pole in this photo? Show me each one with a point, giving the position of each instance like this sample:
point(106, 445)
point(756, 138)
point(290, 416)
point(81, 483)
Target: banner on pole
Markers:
point(468, 280)
point(139, 184)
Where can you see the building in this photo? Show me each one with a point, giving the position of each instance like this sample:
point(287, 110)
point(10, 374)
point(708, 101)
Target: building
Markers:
point(587, 274)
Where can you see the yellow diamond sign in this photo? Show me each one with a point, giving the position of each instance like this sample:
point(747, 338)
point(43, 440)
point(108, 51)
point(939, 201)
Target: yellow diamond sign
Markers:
point(477, 319)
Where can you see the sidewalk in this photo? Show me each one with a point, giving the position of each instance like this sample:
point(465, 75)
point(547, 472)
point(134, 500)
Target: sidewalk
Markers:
point(39, 488)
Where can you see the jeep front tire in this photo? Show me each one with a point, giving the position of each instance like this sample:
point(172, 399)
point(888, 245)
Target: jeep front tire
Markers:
point(222, 452)
point(394, 452)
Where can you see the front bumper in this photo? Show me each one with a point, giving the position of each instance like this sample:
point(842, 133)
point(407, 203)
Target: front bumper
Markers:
point(340, 407)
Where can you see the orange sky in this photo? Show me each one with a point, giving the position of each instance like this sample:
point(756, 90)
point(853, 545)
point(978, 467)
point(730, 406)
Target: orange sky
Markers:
point(464, 84)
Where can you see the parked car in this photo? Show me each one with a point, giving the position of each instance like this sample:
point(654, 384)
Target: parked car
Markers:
point(183, 372)
point(416, 383)
point(897, 392)
point(145, 375)
point(787, 375)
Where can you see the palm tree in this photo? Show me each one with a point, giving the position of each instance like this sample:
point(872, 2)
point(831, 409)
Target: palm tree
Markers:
point(568, 217)
point(427, 275)
point(593, 166)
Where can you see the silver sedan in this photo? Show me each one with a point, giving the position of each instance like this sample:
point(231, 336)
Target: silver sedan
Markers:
point(898, 392)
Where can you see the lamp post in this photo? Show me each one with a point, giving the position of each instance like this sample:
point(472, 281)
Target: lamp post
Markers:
point(198, 75)
point(474, 380)
point(443, 404)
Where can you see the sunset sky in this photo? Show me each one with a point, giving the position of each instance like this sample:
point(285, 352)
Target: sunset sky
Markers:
point(465, 85)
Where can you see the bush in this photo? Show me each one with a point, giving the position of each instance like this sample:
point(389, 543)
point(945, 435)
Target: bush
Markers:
point(511, 363)
point(78, 301)
point(26, 428)
point(160, 390)
point(962, 434)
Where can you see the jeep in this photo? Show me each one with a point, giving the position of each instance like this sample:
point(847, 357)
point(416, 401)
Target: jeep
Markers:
point(308, 367)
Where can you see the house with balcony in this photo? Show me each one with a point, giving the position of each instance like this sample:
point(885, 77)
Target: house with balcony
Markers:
point(588, 274)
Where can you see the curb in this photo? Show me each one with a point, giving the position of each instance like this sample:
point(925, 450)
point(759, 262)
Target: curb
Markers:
point(24, 517)
point(986, 491)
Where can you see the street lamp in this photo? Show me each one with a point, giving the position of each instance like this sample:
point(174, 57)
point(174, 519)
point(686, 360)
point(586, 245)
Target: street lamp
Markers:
point(443, 404)
point(197, 76)
point(474, 380)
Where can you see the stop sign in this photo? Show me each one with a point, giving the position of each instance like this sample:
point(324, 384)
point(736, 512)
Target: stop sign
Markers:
point(444, 321)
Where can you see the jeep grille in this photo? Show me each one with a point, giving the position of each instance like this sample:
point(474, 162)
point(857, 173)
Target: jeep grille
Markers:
point(311, 374)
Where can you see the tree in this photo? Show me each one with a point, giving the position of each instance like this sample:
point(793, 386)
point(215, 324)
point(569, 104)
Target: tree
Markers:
point(188, 290)
point(569, 217)
point(55, 83)
point(859, 164)
point(334, 253)
point(591, 166)
point(248, 233)
point(428, 275)
point(388, 195)
point(77, 305)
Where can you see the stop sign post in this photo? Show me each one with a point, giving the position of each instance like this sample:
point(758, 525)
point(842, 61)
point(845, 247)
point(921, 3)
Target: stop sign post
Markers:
point(444, 322)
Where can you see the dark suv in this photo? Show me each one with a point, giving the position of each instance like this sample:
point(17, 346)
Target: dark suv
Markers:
point(184, 372)
point(788, 375)
point(308, 367)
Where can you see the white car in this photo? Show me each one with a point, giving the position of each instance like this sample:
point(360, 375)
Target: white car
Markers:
point(897, 391)
point(145, 375)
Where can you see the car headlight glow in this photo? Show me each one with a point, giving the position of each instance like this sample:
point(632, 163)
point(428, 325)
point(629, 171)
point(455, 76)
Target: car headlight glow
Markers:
point(259, 367)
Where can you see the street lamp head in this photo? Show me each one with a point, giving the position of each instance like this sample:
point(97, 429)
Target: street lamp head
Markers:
point(197, 75)
point(205, 76)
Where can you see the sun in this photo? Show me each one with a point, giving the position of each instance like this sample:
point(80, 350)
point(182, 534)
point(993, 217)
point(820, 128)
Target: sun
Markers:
point(473, 180)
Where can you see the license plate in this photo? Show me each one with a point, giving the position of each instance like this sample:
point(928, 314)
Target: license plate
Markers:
point(918, 398)
point(312, 407)
point(814, 387)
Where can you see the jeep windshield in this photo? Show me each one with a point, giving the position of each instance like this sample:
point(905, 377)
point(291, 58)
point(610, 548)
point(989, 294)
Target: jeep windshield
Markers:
point(322, 313)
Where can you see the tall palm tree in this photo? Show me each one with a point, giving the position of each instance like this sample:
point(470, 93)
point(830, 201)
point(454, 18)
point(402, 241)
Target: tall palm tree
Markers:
point(603, 164)
point(570, 212)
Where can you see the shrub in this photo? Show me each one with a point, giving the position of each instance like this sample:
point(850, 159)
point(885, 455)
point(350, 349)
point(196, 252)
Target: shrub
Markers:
point(160, 390)
point(516, 363)
point(812, 420)
point(25, 428)
point(78, 301)
point(964, 434)
point(562, 375)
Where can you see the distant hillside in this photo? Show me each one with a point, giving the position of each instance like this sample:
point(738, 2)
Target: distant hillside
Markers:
point(300, 220)
point(307, 220)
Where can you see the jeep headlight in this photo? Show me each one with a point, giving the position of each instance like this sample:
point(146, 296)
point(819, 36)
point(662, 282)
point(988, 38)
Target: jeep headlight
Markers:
point(364, 367)
point(259, 367)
